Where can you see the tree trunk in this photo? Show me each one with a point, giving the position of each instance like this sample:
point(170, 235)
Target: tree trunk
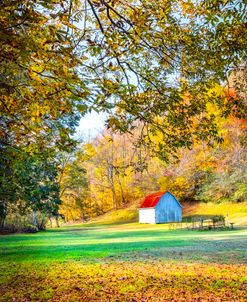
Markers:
point(122, 192)
point(41, 226)
point(3, 215)
point(34, 218)
point(97, 208)
point(112, 186)
point(57, 222)
point(2, 221)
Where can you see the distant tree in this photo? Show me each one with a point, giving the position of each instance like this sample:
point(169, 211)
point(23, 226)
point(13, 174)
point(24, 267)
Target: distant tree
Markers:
point(74, 189)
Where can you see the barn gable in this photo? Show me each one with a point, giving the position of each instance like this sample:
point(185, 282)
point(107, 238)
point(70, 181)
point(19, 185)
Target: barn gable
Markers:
point(179, 204)
point(168, 209)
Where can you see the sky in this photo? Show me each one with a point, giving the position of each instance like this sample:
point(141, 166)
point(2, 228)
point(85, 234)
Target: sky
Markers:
point(90, 125)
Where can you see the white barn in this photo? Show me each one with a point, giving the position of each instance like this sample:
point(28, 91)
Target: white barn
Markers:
point(161, 207)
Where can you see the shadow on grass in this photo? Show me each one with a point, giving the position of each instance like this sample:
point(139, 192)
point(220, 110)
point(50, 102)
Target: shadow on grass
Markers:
point(101, 224)
point(99, 242)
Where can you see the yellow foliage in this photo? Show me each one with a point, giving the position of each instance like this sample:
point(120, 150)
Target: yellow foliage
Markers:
point(177, 186)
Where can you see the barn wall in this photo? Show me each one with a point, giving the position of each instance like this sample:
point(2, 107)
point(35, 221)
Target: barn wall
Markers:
point(168, 209)
point(147, 215)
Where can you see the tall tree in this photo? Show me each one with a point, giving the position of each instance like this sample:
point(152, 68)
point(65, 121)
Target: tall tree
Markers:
point(74, 189)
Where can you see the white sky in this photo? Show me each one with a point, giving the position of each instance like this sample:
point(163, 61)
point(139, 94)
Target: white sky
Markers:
point(90, 125)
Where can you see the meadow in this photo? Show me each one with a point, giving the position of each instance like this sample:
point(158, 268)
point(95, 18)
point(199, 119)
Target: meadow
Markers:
point(123, 262)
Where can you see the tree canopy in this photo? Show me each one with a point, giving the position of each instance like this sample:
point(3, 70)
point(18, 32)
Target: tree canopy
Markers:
point(140, 59)
point(159, 63)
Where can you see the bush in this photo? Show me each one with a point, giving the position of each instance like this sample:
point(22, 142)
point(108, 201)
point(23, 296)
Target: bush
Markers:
point(30, 228)
point(8, 230)
point(218, 219)
point(227, 186)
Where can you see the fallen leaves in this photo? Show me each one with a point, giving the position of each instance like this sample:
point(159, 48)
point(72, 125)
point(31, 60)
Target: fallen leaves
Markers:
point(125, 281)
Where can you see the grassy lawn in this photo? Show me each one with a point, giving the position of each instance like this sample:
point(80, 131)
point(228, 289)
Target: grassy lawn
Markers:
point(125, 262)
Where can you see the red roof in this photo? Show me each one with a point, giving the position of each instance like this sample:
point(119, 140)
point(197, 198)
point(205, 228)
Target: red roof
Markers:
point(152, 200)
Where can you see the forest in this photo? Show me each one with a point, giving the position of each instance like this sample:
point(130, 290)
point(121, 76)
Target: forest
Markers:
point(114, 170)
point(171, 77)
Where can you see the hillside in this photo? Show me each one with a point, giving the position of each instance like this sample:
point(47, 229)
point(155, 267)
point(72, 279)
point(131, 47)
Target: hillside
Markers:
point(237, 212)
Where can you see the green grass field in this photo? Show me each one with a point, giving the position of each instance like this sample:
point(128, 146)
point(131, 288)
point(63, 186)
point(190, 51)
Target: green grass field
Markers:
point(124, 262)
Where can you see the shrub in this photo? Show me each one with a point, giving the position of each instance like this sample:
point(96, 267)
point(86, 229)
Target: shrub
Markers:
point(8, 230)
point(30, 228)
point(218, 219)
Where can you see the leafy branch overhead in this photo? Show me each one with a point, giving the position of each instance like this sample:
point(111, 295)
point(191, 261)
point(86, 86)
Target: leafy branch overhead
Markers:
point(143, 59)
point(176, 53)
